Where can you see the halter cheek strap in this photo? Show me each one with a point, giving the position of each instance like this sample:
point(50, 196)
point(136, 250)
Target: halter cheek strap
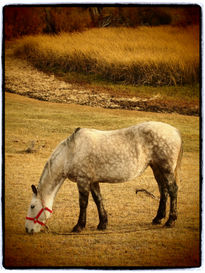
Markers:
point(35, 219)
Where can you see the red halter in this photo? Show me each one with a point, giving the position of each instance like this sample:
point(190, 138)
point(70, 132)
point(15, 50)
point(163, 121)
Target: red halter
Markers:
point(35, 219)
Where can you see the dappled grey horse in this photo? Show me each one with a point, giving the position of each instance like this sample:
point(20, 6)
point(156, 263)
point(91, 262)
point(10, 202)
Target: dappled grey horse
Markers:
point(90, 156)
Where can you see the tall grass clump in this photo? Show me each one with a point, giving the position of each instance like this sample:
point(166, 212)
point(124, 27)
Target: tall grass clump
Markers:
point(154, 56)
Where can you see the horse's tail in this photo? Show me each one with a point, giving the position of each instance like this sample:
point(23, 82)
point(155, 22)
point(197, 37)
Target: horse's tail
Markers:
point(178, 166)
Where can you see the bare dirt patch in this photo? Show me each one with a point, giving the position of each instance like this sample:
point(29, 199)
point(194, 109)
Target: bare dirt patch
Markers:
point(22, 78)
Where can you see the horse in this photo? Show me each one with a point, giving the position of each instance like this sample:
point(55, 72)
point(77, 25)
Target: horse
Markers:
point(89, 157)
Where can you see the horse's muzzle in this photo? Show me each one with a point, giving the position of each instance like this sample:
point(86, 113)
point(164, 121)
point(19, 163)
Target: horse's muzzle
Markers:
point(29, 231)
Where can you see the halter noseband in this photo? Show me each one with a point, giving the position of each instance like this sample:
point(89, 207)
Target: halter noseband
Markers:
point(35, 219)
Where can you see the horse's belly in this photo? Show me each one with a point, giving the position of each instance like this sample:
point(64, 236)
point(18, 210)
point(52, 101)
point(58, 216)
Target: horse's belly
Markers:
point(117, 172)
point(109, 161)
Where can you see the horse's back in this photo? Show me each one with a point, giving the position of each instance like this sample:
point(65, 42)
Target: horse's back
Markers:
point(124, 153)
point(106, 155)
point(154, 132)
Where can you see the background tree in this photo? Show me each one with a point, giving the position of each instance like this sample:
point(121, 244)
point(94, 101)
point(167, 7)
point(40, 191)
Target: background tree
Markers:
point(25, 20)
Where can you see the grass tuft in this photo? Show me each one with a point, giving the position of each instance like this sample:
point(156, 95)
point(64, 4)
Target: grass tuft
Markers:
point(155, 56)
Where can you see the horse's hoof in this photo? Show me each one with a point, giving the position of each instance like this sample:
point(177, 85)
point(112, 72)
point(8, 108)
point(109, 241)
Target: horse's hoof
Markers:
point(156, 221)
point(102, 226)
point(169, 224)
point(77, 228)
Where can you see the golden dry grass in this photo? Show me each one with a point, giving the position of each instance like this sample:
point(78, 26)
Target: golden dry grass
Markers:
point(145, 55)
point(130, 239)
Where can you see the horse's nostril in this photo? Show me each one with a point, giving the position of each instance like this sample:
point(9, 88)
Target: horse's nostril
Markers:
point(31, 231)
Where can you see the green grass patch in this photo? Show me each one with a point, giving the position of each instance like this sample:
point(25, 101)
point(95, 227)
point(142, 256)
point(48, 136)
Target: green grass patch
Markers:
point(189, 92)
point(27, 119)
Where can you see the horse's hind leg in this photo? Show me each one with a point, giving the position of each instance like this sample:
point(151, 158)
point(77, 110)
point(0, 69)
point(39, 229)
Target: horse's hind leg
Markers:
point(95, 190)
point(167, 184)
point(161, 213)
point(172, 189)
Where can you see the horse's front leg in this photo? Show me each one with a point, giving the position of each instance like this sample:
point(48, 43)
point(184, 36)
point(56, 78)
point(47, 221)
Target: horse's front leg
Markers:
point(83, 189)
point(95, 190)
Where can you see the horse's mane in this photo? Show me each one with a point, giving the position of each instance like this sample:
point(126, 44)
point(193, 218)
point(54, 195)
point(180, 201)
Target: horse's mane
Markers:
point(49, 162)
point(71, 138)
point(49, 166)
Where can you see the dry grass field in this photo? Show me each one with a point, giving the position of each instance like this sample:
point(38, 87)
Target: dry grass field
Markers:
point(130, 240)
point(157, 56)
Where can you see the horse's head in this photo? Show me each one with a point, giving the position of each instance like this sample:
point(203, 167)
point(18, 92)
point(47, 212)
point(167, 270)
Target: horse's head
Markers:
point(36, 216)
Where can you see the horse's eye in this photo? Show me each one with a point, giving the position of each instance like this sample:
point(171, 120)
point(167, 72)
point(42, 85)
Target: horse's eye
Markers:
point(32, 206)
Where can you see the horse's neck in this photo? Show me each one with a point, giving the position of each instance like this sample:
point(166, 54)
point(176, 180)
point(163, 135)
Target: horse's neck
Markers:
point(48, 196)
point(51, 179)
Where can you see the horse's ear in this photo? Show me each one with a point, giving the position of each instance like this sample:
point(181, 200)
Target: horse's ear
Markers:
point(34, 189)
